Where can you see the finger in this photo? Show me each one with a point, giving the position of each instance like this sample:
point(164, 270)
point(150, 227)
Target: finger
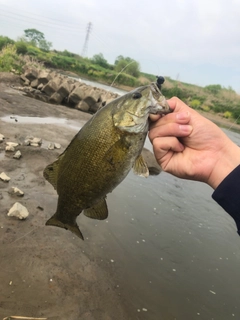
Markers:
point(170, 130)
point(177, 105)
point(180, 117)
point(166, 145)
point(154, 117)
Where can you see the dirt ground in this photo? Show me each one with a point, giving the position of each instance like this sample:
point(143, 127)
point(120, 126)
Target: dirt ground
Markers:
point(46, 271)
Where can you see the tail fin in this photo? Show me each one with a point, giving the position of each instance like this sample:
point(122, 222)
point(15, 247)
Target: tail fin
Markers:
point(54, 221)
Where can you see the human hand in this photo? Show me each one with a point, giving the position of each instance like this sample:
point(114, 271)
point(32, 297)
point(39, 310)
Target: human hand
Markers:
point(192, 147)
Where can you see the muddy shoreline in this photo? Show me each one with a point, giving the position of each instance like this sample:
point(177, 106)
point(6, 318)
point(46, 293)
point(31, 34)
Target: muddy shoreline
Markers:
point(45, 271)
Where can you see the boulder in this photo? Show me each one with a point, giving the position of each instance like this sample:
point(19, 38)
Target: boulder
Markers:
point(25, 81)
point(83, 106)
point(56, 98)
point(34, 83)
point(31, 74)
point(65, 88)
point(52, 86)
point(44, 77)
point(77, 95)
point(95, 107)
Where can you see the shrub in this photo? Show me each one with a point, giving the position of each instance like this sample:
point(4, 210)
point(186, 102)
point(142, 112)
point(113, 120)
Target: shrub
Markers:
point(195, 103)
point(9, 59)
point(227, 114)
point(205, 108)
point(21, 47)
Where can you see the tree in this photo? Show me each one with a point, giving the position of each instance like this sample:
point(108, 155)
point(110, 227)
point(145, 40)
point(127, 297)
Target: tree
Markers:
point(34, 36)
point(45, 45)
point(129, 65)
point(100, 60)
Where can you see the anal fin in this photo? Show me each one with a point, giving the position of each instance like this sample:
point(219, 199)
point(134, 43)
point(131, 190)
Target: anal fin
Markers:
point(99, 211)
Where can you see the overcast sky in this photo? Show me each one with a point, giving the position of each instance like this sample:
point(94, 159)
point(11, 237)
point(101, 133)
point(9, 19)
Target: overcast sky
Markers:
point(195, 41)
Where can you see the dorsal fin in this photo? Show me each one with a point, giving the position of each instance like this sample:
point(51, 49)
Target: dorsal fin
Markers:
point(51, 171)
point(98, 211)
point(140, 167)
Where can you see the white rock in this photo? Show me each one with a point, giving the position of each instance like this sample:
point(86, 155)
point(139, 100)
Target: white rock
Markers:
point(51, 146)
point(1, 137)
point(12, 144)
point(57, 145)
point(9, 148)
point(17, 155)
point(35, 140)
point(26, 142)
point(18, 211)
point(4, 177)
point(15, 191)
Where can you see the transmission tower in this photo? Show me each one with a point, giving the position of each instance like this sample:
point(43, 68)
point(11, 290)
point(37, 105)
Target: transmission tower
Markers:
point(85, 46)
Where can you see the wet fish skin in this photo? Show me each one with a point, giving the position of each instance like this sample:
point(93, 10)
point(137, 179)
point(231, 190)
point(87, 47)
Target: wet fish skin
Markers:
point(100, 156)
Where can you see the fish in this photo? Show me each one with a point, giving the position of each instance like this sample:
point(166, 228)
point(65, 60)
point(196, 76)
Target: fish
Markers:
point(101, 155)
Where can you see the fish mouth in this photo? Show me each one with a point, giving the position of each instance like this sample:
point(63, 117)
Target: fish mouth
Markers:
point(158, 103)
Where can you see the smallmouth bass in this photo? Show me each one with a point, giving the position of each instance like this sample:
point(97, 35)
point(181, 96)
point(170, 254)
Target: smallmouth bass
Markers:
point(101, 155)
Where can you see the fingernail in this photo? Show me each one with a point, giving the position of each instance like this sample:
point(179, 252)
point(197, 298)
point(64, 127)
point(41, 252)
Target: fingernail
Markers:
point(182, 116)
point(186, 128)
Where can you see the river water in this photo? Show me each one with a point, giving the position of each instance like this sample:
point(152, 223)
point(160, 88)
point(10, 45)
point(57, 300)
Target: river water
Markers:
point(176, 253)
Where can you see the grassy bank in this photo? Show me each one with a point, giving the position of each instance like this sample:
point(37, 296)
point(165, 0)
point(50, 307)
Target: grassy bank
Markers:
point(212, 99)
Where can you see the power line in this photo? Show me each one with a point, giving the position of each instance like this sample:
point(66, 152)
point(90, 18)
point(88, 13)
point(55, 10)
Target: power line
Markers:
point(85, 46)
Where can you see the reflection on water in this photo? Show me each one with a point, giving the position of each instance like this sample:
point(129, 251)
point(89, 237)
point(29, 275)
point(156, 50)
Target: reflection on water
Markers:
point(42, 120)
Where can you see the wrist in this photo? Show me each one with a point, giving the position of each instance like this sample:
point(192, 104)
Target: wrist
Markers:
point(226, 163)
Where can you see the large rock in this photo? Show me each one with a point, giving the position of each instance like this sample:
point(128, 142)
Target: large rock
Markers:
point(83, 106)
point(56, 98)
point(31, 74)
point(65, 88)
point(52, 86)
point(77, 95)
point(153, 166)
point(34, 83)
point(44, 77)
point(93, 96)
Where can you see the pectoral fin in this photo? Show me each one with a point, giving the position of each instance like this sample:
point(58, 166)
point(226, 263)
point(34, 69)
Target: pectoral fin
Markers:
point(99, 211)
point(140, 167)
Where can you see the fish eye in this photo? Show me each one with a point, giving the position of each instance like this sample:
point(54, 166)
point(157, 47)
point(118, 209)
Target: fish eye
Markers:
point(137, 95)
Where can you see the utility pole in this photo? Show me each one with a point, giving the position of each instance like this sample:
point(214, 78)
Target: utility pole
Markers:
point(85, 46)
